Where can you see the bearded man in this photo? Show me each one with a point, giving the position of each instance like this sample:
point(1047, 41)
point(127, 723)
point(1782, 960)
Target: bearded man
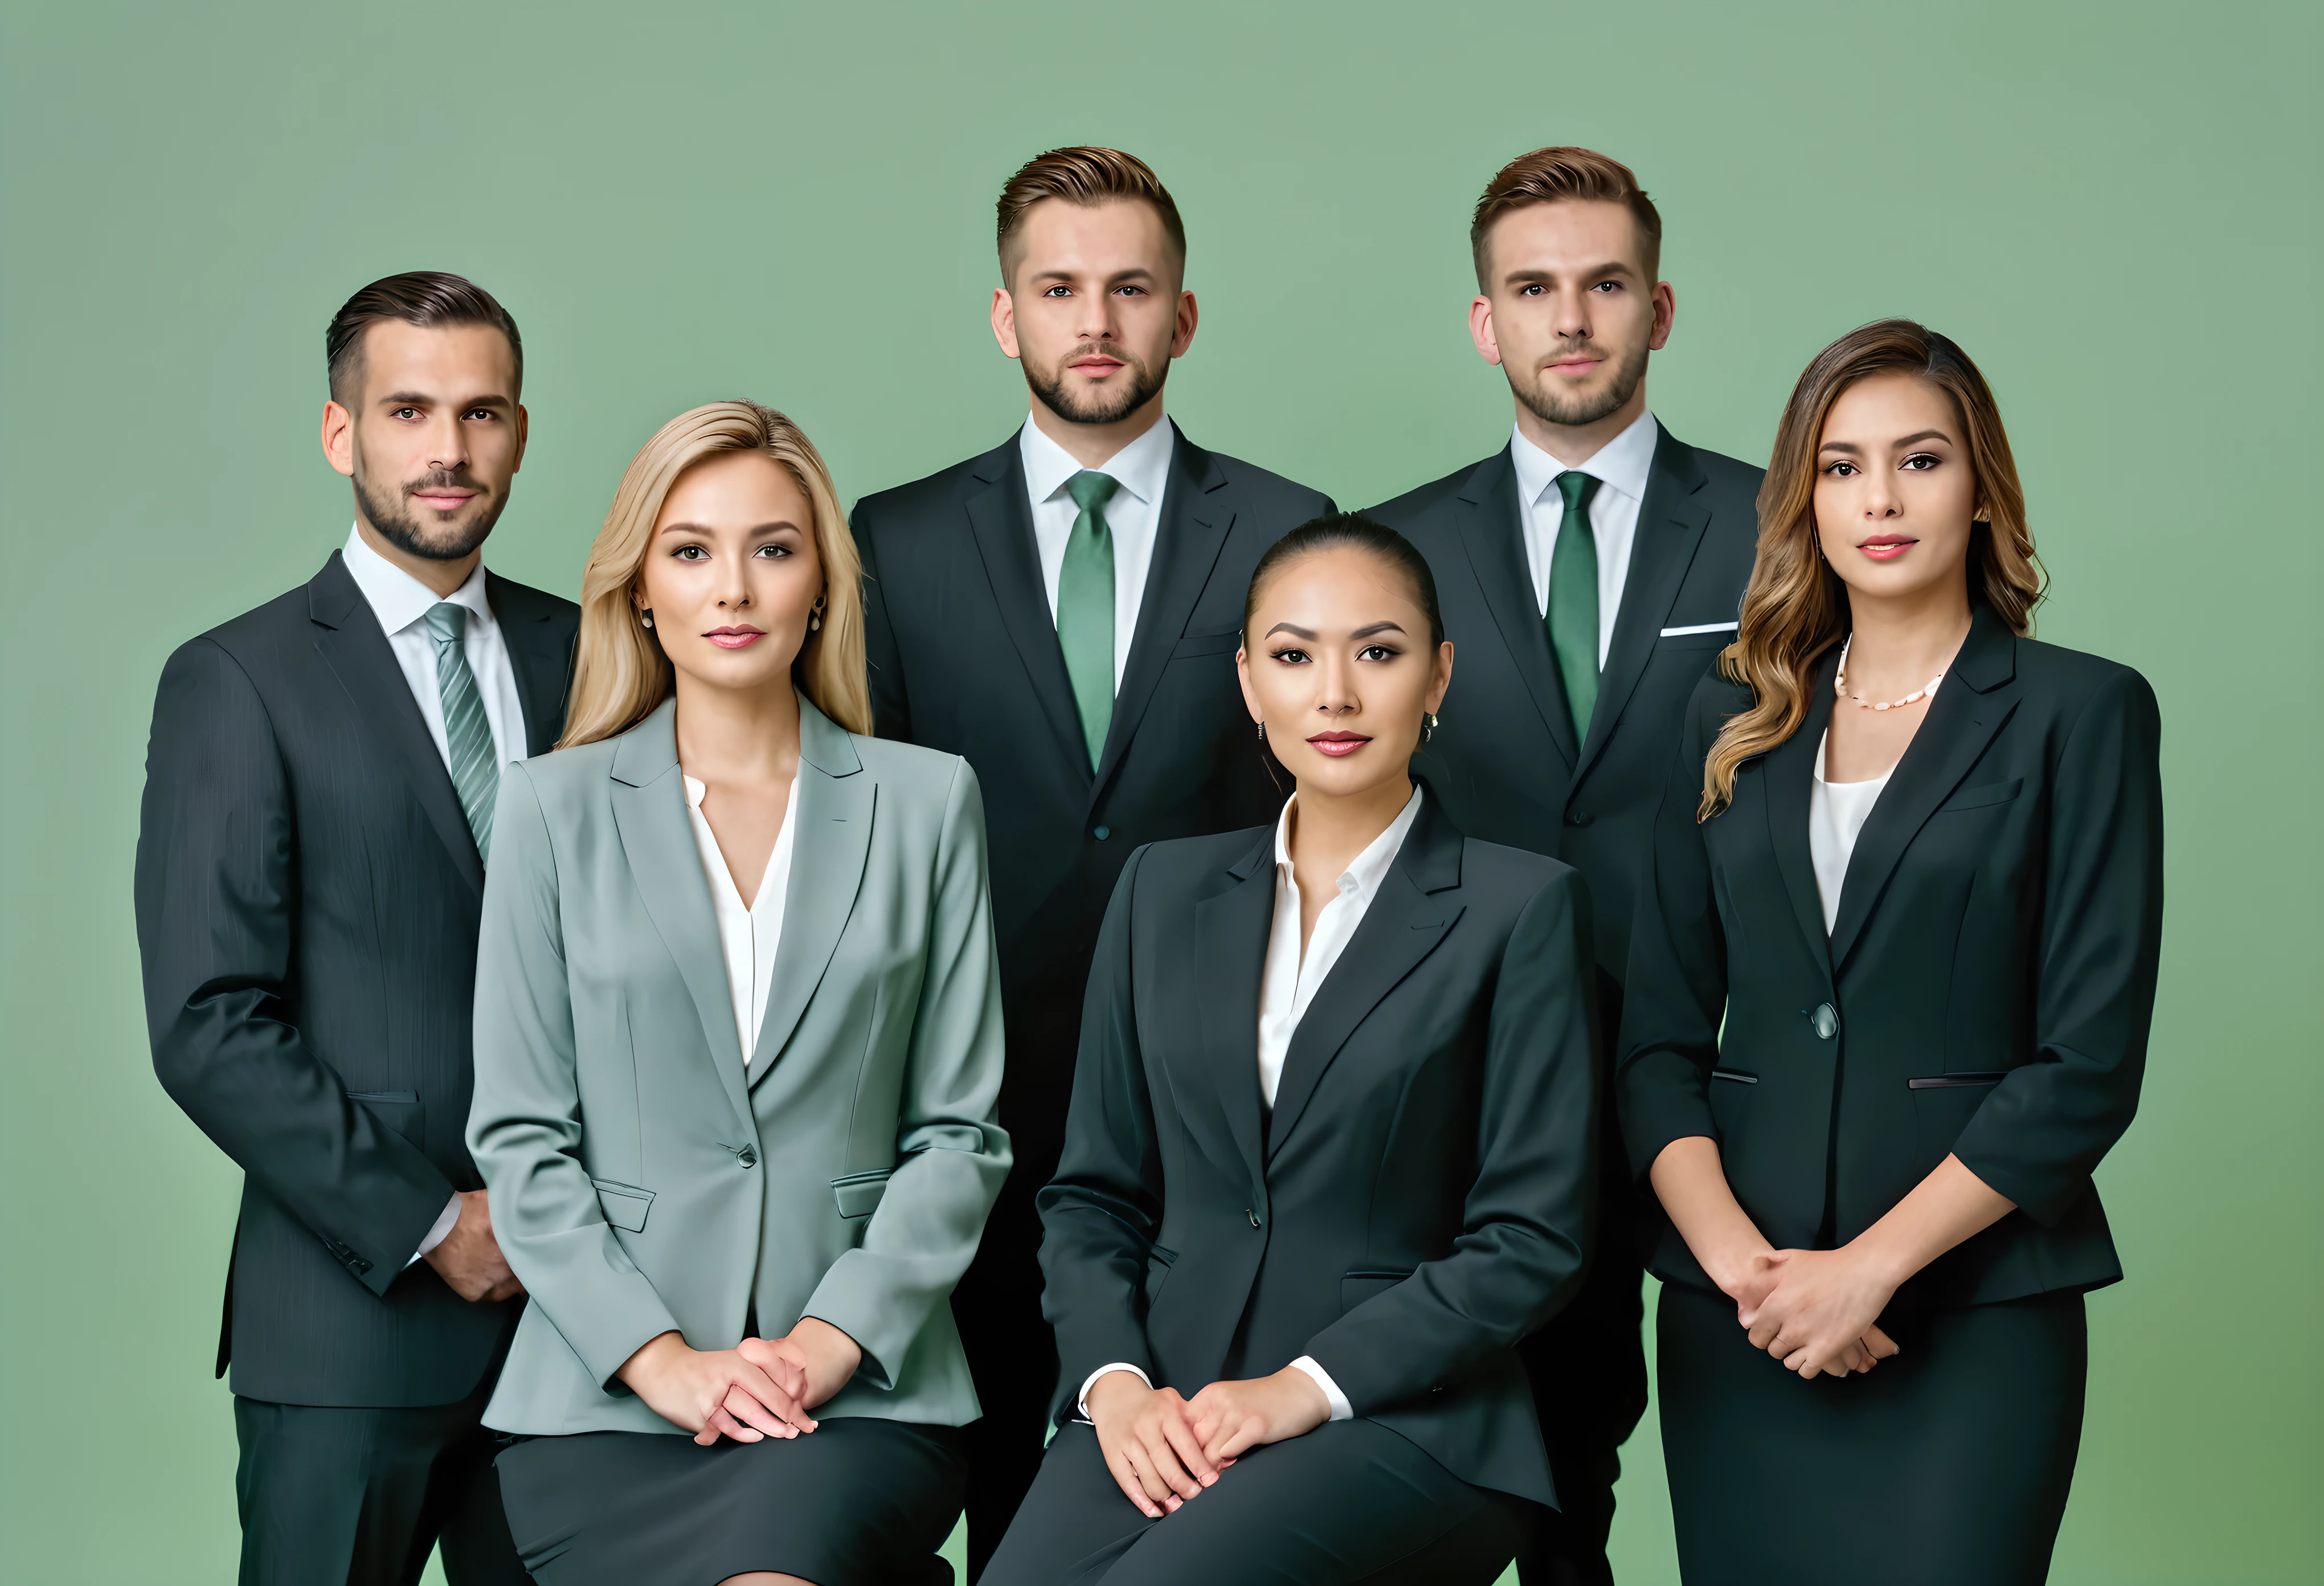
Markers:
point(1065, 611)
point(1590, 570)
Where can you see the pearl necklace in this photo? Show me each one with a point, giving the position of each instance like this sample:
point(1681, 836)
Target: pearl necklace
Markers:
point(1839, 684)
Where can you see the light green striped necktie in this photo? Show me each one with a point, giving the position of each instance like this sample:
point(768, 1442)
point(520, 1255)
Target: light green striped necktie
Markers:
point(1085, 607)
point(467, 733)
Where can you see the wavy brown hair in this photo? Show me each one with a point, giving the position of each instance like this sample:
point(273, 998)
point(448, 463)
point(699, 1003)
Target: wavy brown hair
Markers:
point(1796, 607)
point(620, 673)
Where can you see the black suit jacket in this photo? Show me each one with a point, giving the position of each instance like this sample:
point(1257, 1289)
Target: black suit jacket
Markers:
point(1986, 990)
point(964, 658)
point(1505, 751)
point(1419, 1198)
point(308, 896)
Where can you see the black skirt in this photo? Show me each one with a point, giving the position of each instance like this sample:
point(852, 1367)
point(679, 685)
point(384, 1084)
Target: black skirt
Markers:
point(856, 1502)
point(1949, 1463)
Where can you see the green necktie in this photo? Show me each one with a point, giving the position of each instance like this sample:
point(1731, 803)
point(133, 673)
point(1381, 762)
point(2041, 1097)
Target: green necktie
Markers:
point(1085, 607)
point(1573, 599)
point(476, 765)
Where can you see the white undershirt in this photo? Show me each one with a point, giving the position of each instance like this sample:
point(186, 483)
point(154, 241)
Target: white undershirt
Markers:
point(1142, 470)
point(1836, 812)
point(748, 936)
point(1621, 467)
point(1287, 986)
point(400, 602)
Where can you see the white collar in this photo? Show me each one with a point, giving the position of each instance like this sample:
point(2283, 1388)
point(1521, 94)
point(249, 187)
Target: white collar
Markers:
point(1622, 462)
point(1367, 870)
point(396, 597)
point(1141, 468)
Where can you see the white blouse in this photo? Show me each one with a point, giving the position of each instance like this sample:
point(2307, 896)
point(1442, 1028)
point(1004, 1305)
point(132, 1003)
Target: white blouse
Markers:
point(1836, 812)
point(747, 936)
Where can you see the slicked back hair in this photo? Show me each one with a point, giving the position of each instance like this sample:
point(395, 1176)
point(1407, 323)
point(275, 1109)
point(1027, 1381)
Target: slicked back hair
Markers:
point(1546, 176)
point(1086, 176)
point(424, 297)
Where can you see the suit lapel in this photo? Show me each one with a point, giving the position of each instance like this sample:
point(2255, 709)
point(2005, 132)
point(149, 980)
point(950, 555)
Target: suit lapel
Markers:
point(1787, 784)
point(538, 654)
point(658, 841)
point(1002, 521)
point(1670, 527)
point(1401, 928)
point(1489, 528)
point(830, 835)
point(1193, 525)
point(1977, 696)
point(348, 638)
point(1231, 931)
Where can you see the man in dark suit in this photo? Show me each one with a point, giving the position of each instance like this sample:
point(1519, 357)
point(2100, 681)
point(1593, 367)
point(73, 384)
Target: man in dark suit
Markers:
point(1590, 571)
point(1065, 611)
point(317, 821)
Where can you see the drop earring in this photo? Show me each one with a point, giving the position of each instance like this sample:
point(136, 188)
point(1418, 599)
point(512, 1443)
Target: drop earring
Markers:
point(1428, 726)
point(645, 616)
point(814, 615)
point(1262, 732)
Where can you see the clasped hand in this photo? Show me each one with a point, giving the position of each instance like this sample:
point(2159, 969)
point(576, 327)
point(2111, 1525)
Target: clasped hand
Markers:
point(762, 1388)
point(1816, 1311)
point(1164, 1449)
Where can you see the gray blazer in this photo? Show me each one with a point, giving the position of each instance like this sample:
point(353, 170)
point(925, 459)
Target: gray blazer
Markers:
point(642, 1178)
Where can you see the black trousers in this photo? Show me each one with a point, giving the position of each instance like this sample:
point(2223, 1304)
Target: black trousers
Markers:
point(1588, 1366)
point(1948, 1463)
point(362, 1496)
point(1012, 1358)
point(1351, 1502)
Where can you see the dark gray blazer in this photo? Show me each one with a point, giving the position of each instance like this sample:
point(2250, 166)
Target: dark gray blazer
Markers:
point(1986, 990)
point(1420, 1197)
point(307, 900)
point(643, 1178)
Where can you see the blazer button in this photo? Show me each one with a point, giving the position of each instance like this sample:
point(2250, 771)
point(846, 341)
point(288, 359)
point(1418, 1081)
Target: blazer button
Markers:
point(1253, 1215)
point(1579, 817)
point(1103, 833)
point(748, 1155)
point(1824, 1022)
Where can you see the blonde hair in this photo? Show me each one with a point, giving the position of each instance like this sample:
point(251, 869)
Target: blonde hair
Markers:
point(1796, 607)
point(620, 674)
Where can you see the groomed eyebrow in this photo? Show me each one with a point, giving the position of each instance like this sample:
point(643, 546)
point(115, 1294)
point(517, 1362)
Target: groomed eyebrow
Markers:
point(413, 399)
point(774, 528)
point(1377, 628)
point(1854, 451)
point(1298, 632)
point(1291, 628)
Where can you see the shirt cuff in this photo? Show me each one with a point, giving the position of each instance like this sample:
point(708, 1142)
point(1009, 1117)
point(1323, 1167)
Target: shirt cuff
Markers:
point(1342, 1410)
point(444, 1220)
point(1080, 1399)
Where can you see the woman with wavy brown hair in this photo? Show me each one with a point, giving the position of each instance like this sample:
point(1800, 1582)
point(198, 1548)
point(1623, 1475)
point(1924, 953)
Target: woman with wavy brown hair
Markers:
point(1888, 999)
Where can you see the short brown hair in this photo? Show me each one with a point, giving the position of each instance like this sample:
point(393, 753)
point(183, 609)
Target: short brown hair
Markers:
point(1546, 176)
point(1088, 177)
point(425, 298)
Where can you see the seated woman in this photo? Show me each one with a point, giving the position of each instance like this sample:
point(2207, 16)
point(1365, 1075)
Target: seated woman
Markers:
point(1328, 1155)
point(1912, 861)
point(738, 1051)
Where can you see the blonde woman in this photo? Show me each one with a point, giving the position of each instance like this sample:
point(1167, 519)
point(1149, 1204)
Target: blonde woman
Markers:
point(738, 1054)
point(1913, 861)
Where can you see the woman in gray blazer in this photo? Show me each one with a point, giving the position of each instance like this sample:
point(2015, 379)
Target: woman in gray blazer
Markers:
point(738, 1052)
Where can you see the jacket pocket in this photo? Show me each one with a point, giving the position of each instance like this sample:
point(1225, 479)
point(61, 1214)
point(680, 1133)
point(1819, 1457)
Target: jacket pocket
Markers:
point(859, 1194)
point(1957, 1082)
point(1225, 643)
point(1978, 798)
point(1158, 1263)
point(1737, 1074)
point(1368, 1283)
point(625, 1204)
point(401, 1111)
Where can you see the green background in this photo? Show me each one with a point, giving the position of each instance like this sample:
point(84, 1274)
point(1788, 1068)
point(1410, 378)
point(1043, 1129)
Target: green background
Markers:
point(2115, 208)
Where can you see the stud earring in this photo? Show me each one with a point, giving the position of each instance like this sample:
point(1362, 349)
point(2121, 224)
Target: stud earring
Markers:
point(645, 616)
point(1428, 726)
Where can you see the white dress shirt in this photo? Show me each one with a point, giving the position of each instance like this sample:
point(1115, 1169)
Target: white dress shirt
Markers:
point(1287, 985)
point(1133, 515)
point(400, 602)
point(1620, 468)
point(748, 934)
point(1836, 812)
